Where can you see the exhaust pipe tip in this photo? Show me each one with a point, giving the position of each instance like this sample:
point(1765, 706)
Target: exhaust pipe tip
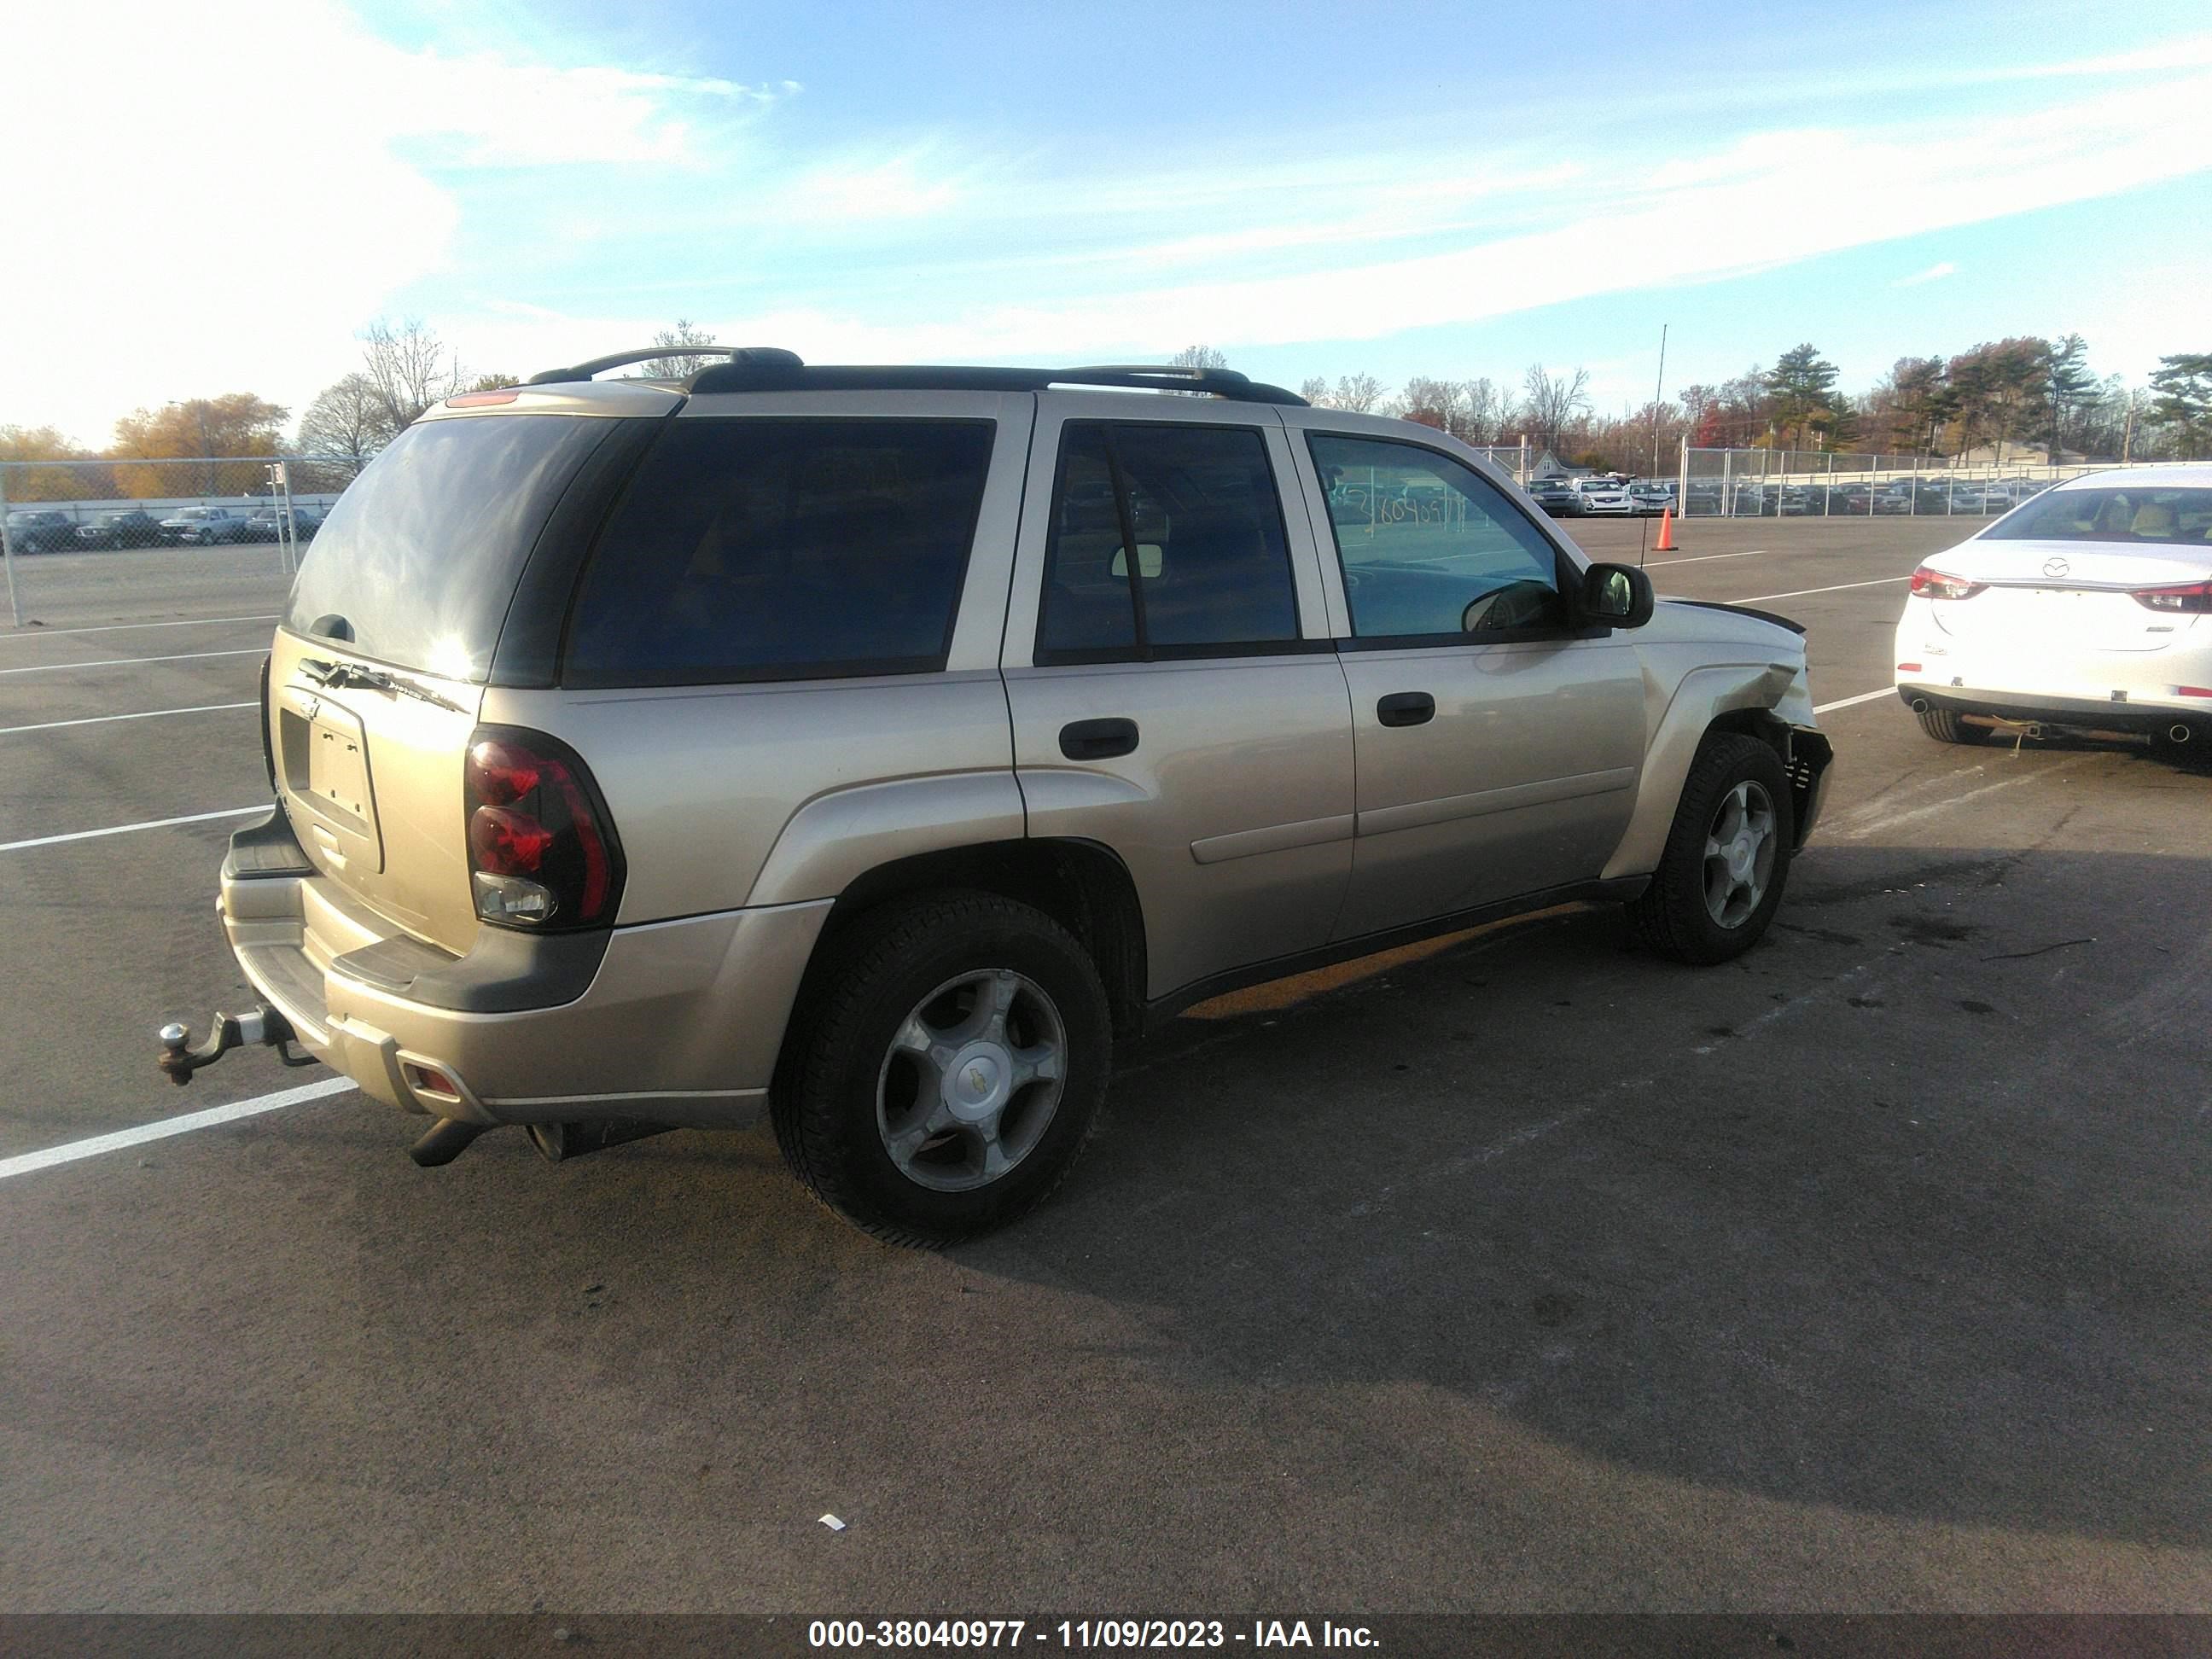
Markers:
point(1920, 705)
point(444, 1141)
point(2178, 732)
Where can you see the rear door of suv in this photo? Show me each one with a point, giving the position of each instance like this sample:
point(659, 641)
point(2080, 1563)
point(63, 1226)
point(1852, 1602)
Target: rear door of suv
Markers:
point(1499, 745)
point(1175, 692)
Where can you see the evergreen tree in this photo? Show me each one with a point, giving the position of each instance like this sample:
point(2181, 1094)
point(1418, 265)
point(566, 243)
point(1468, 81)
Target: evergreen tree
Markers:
point(1802, 385)
point(2072, 386)
point(2181, 394)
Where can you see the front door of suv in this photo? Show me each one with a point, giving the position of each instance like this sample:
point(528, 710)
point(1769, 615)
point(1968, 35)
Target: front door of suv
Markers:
point(1498, 744)
point(1175, 692)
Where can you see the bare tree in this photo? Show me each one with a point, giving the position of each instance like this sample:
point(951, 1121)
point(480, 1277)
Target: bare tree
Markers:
point(1488, 408)
point(1433, 402)
point(1199, 357)
point(349, 420)
point(1314, 392)
point(409, 367)
point(1358, 393)
point(675, 366)
point(1555, 402)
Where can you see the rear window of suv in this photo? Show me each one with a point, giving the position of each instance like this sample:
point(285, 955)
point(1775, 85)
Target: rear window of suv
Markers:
point(757, 548)
point(421, 555)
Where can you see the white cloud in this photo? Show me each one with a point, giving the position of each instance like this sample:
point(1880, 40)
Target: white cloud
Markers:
point(1760, 203)
point(1935, 273)
point(255, 178)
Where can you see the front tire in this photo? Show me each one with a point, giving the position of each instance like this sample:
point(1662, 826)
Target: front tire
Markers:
point(1727, 860)
point(948, 1070)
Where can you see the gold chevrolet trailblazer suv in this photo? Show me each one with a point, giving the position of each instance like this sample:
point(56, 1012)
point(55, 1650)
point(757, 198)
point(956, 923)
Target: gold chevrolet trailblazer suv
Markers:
point(883, 747)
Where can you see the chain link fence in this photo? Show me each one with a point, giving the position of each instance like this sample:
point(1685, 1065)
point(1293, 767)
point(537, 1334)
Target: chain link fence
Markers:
point(57, 515)
point(1750, 484)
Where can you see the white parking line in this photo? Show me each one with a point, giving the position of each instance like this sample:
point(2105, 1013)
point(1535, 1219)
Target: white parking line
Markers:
point(125, 662)
point(114, 628)
point(1847, 702)
point(127, 829)
point(102, 720)
point(1799, 593)
point(1700, 558)
point(71, 1152)
point(1854, 826)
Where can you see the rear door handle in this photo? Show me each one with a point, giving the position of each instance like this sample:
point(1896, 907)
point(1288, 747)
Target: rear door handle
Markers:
point(1407, 708)
point(1097, 739)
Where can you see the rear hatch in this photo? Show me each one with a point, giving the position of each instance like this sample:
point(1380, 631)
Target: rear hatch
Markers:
point(2063, 594)
point(379, 670)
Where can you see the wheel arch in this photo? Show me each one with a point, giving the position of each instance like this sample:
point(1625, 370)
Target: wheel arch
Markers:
point(1727, 698)
point(1081, 885)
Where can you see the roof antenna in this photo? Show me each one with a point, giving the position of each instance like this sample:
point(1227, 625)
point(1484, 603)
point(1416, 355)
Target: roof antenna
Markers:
point(1642, 523)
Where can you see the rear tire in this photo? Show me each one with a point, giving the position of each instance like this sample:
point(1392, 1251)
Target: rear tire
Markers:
point(1727, 860)
point(948, 1068)
point(1946, 726)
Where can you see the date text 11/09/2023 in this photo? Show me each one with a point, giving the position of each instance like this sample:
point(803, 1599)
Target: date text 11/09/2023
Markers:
point(1069, 1635)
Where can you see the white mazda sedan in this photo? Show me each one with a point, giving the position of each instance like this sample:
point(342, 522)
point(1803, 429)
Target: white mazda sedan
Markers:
point(2086, 605)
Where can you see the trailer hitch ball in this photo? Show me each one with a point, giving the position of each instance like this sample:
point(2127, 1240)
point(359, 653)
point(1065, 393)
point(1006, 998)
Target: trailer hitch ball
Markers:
point(178, 1059)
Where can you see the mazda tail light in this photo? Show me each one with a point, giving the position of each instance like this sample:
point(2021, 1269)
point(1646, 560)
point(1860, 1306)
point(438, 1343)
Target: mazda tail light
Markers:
point(1927, 584)
point(2193, 597)
point(542, 849)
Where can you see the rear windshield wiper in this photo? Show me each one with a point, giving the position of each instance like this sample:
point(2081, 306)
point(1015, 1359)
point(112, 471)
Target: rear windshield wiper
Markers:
point(339, 675)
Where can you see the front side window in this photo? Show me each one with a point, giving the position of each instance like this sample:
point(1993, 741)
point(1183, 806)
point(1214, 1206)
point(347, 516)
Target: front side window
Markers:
point(1429, 548)
point(757, 548)
point(1167, 541)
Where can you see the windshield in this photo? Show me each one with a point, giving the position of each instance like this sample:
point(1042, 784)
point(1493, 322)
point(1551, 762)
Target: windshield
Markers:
point(2124, 513)
point(422, 554)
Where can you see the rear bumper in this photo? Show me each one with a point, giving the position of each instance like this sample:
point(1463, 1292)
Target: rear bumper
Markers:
point(2090, 715)
point(675, 1022)
point(2063, 683)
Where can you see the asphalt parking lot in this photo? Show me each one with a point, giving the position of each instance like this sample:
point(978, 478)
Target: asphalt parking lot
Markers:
point(1527, 1274)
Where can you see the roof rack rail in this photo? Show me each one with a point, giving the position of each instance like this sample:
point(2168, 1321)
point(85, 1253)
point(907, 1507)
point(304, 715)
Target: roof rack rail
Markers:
point(762, 371)
point(584, 370)
point(1226, 377)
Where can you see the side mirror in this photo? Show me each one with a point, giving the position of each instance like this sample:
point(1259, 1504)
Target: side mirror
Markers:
point(1618, 594)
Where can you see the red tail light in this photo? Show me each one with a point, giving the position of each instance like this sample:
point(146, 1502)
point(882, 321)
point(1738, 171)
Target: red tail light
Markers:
point(2195, 598)
point(1929, 584)
point(542, 850)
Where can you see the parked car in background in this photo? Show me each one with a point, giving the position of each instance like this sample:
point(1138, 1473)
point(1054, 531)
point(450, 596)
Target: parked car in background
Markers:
point(2090, 606)
point(38, 530)
point(132, 528)
point(1650, 496)
point(1555, 495)
point(267, 525)
point(1606, 497)
point(203, 524)
point(884, 774)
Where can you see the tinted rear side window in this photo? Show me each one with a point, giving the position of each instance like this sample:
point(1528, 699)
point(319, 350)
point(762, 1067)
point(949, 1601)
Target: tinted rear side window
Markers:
point(421, 554)
point(757, 548)
point(1212, 572)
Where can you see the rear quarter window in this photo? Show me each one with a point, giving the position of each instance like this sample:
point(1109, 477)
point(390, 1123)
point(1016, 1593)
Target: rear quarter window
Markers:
point(754, 548)
point(419, 559)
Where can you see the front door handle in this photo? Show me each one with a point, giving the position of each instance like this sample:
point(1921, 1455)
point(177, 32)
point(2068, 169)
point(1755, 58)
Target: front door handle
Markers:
point(1097, 739)
point(1407, 708)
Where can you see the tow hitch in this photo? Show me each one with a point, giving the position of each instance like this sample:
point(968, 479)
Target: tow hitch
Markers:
point(264, 1025)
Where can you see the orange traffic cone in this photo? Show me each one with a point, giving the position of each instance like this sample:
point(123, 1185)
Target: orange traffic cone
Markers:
point(1666, 531)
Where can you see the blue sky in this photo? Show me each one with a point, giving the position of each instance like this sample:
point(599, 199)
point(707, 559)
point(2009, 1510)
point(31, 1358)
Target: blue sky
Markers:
point(1315, 189)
